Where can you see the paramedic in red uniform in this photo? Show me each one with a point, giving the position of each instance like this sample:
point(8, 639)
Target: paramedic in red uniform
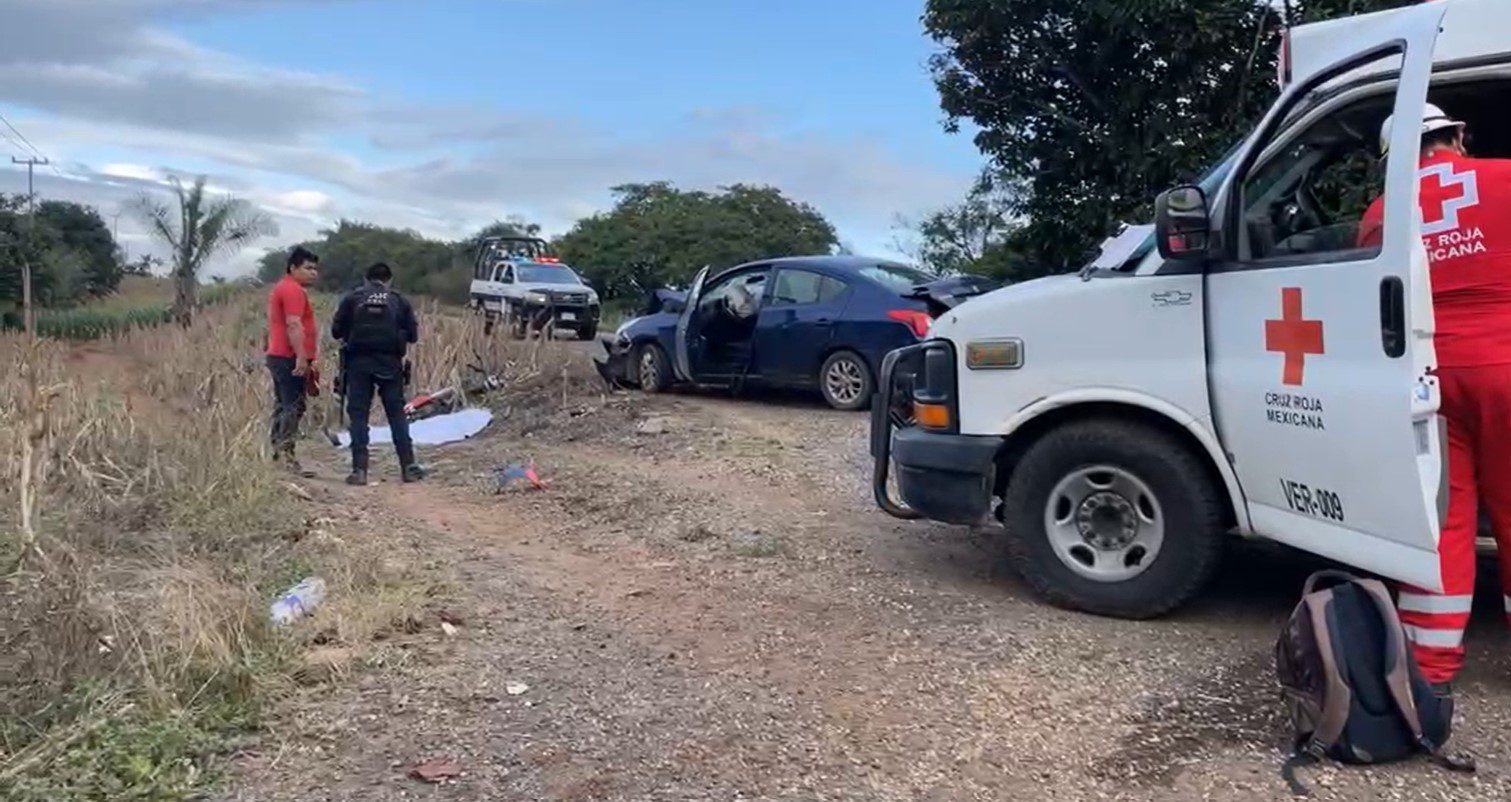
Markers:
point(1466, 227)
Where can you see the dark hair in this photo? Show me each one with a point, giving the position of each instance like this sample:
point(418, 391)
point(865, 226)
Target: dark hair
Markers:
point(379, 272)
point(300, 256)
point(1442, 136)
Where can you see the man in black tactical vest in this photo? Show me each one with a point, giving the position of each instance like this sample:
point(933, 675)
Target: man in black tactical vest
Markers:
point(376, 325)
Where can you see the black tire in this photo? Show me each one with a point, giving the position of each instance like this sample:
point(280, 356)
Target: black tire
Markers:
point(652, 370)
point(858, 385)
point(587, 332)
point(519, 324)
point(1188, 502)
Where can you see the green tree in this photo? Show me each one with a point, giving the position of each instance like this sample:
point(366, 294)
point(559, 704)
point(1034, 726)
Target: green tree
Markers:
point(80, 229)
point(657, 234)
point(957, 238)
point(421, 266)
point(1098, 105)
point(200, 228)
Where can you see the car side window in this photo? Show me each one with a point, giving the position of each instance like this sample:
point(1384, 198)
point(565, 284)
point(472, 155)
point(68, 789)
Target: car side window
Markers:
point(738, 295)
point(797, 287)
point(830, 289)
point(1305, 197)
point(506, 274)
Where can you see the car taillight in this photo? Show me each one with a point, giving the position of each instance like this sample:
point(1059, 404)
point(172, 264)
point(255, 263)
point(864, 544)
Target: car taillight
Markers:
point(915, 320)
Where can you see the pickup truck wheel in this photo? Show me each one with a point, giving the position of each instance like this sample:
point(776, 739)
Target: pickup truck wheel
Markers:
point(587, 332)
point(846, 382)
point(652, 370)
point(1113, 518)
point(519, 324)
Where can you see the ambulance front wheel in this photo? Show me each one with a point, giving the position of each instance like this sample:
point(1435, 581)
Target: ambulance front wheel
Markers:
point(1115, 518)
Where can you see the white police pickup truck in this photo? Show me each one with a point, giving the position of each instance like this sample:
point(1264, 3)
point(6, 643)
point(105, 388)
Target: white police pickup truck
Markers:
point(1243, 365)
point(518, 281)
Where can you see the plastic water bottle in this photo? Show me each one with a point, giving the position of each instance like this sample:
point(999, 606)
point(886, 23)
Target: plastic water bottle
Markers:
point(298, 601)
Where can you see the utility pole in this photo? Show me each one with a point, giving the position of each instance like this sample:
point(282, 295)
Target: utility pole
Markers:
point(31, 163)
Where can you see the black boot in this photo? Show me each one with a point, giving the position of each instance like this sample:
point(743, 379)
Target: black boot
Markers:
point(412, 473)
point(358, 477)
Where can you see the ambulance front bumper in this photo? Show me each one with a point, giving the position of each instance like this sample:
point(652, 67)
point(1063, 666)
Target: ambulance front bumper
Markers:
point(941, 475)
point(945, 477)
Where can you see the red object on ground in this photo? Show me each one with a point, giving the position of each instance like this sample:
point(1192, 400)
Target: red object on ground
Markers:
point(436, 770)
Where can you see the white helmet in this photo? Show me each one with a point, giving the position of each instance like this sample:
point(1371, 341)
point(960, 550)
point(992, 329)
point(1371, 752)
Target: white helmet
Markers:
point(1433, 119)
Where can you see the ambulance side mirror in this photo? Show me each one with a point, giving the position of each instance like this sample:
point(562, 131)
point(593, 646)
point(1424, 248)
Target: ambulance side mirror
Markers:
point(1182, 223)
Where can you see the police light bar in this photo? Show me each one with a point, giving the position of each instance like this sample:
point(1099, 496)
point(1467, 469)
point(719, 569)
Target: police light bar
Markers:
point(545, 259)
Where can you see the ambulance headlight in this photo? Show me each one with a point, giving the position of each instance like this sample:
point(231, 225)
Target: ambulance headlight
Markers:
point(1005, 354)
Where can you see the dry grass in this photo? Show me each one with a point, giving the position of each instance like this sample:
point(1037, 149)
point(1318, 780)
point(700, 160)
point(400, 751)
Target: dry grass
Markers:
point(142, 637)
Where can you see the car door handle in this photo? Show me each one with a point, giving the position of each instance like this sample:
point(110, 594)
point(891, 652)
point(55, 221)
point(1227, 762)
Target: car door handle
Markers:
point(823, 321)
point(1393, 316)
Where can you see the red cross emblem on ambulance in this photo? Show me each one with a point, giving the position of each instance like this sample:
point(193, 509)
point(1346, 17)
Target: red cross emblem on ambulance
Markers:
point(1293, 336)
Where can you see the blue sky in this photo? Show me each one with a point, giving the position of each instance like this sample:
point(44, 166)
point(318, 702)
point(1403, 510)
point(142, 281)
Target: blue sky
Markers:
point(442, 115)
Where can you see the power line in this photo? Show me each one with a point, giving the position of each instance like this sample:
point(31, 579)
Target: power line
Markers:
point(23, 138)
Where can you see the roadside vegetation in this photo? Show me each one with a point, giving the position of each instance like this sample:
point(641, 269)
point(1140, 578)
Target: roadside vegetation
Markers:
point(136, 655)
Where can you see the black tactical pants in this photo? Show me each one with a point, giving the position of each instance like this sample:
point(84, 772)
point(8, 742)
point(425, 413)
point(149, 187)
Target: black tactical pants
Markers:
point(384, 375)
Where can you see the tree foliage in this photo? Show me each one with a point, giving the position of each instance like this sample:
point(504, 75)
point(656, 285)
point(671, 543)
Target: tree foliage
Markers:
point(421, 266)
point(195, 230)
point(71, 252)
point(958, 238)
point(1098, 105)
point(658, 235)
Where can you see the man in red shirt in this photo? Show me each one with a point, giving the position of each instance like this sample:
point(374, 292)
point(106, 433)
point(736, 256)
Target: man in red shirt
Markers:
point(1466, 228)
point(292, 350)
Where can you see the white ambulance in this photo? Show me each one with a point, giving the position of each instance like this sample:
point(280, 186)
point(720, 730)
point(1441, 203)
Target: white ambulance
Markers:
point(1241, 366)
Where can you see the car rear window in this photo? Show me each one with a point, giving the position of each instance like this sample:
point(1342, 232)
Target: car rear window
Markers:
point(899, 278)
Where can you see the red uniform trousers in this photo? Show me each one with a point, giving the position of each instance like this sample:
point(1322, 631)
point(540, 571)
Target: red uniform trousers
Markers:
point(1477, 407)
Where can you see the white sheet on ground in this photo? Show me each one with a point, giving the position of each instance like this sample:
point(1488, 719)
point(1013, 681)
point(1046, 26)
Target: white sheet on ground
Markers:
point(433, 431)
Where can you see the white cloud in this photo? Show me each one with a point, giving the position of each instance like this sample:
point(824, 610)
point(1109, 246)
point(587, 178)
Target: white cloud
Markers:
point(99, 76)
point(303, 200)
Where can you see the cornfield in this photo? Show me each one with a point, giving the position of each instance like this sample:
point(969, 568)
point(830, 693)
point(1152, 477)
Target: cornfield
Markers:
point(102, 321)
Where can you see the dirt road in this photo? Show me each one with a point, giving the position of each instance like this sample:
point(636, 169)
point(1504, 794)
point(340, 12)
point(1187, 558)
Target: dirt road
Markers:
point(711, 609)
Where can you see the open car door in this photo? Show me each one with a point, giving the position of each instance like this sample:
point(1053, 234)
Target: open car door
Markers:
point(1319, 358)
point(687, 328)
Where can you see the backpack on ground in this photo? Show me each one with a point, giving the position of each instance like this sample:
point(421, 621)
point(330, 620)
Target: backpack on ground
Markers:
point(1353, 691)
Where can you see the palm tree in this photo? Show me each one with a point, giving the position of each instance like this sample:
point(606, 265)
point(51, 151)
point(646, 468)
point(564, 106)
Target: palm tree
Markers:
point(205, 227)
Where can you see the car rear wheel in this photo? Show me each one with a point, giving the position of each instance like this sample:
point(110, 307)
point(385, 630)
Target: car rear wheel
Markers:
point(652, 370)
point(846, 381)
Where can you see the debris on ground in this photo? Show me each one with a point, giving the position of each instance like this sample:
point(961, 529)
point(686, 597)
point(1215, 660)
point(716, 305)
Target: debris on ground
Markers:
point(696, 533)
point(436, 770)
point(508, 475)
point(652, 426)
point(298, 601)
point(449, 629)
point(516, 688)
point(323, 665)
point(300, 492)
